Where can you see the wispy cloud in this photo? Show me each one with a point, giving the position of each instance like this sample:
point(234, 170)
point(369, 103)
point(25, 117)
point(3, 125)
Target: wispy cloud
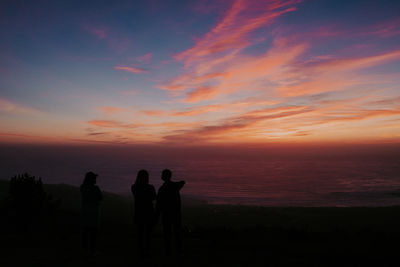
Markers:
point(215, 64)
point(115, 41)
point(384, 29)
point(236, 126)
point(347, 64)
point(131, 69)
point(202, 93)
point(233, 29)
point(302, 94)
point(112, 124)
point(236, 106)
point(146, 58)
point(331, 74)
point(111, 110)
point(99, 32)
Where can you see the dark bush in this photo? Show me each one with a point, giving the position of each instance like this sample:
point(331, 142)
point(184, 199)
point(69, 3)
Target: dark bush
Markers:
point(28, 203)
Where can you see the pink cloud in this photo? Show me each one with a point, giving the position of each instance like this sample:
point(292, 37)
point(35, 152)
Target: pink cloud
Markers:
point(244, 73)
point(315, 92)
point(237, 106)
point(115, 41)
point(146, 58)
point(347, 64)
point(359, 115)
point(214, 65)
point(233, 29)
point(194, 111)
point(385, 29)
point(202, 93)
point(331, 74)
point(131, 69)
point(112, 124)
point(99, 32)
point(200, 110)
point(235, 125)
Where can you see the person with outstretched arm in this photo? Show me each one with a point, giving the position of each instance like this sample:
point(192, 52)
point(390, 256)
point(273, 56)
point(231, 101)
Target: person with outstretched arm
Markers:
point(168, 205)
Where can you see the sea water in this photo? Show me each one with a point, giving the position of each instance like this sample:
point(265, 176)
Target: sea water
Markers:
point(365, 176)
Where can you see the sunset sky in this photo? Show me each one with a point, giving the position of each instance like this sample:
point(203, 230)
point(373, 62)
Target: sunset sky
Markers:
point(200, 72)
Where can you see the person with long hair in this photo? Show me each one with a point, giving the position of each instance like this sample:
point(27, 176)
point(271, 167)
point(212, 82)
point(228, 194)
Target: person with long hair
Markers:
point(144, 194)
point(91, 197)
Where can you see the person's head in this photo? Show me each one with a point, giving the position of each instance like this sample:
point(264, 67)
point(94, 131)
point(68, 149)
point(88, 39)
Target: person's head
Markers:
point(90, 178)
point(166, 175)
point(142, 177)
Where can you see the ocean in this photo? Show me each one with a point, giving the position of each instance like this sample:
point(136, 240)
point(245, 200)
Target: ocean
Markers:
point(344, 176)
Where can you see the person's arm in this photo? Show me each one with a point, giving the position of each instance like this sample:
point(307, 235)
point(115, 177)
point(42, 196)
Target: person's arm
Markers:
point(180, 184)
point(99, 194)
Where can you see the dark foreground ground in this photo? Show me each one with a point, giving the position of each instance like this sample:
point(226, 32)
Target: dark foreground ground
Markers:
point(213, 236)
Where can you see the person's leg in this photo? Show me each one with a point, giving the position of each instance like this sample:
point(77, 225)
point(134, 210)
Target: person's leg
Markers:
point(178, 235)
point(167, 236)
point(93, 239)
point(140, 238)
point(147, 239)
point(85, 239)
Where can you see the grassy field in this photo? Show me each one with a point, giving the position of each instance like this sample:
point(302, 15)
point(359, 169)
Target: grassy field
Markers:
point(213, 236)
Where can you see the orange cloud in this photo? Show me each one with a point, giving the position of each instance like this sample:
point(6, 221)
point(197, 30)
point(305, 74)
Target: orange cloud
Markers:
point(185, 112)
point(314, 86)
point(214, 66)
point(236, 106)
point(202, 93)
point(231, 32)
point(355, 63)
point(298, 96)
point(112, 124)
point(199, 110)
point(362, 115)
point(242, 73)
point(111, 110)
point(332, 75)
point(236, 125)
point(131, 69)
point(154, 112)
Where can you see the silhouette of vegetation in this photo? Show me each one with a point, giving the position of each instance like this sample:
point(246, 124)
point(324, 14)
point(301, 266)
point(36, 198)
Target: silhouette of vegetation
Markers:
point(28, 203)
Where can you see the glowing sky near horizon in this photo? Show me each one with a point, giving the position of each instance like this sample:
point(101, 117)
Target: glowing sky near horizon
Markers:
point(204, 71)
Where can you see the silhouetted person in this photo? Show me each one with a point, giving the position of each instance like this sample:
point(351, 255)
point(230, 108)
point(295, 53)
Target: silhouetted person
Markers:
point(144, 194)
point(91, 197)
point(169, 206)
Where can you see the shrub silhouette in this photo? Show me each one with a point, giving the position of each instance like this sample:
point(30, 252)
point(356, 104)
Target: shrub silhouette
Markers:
point(28, 202)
